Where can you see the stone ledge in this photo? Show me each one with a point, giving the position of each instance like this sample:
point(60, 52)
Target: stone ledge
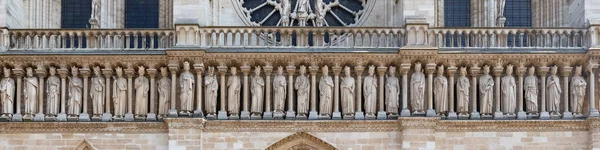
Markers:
point(88, 127)
point(301, 126)
point(511, 125)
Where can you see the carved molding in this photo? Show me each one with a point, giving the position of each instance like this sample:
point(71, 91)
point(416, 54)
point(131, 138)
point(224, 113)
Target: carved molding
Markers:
point(185, 123)
point(88, 127)
point(511, 125)
point(301, 141)
point(301, 126)
point(85, 145)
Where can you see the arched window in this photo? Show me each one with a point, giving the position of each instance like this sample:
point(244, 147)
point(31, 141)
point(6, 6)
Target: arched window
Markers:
point(457, 13)
point(518, 13)
point(75, 13)
point(141, 13)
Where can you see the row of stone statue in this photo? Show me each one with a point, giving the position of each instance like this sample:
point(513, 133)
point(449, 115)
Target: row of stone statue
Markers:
point(500, 97)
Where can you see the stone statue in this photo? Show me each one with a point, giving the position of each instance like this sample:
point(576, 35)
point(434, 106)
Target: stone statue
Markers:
point(95, 14)
point(285, 12)
point(97, 92)
point(501, 4)
point(553, 91)
point(30, 91)
point(462, 92)
point(325, 93)
point(119, 94)
point(347, 93)
point(233, 92)
point(279, 91)
point(486, 91)
point(370, 92)
point(509, 89)
point(211, 92)
point(75, 93)
point(164, 92)
point(257, 89)
point(392, 92)
point(417, 89)
point(302, 86)
point(7, 93)
point(531, 92)
point(440, 86)
point(53, 93)
point(142, 87)
point(320, 12)
point(186, 82)
point(578, 87)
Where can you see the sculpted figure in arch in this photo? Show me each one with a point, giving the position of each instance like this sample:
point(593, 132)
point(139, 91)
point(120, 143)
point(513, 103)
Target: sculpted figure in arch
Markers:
point(30, 90)
point(233, 92)
point(285, 12)
point(462, 92)
point(119, 93)
point(509, 89)
point(578, 86)
point(531, 92)
point(142, 87)
point(302, 86)
point(553, 91)
point(486, 91)
point(53, 93)
point(257, 89)
point(279, 91)
point(417, 89)
point(164, 92)
point(75, 92)
point(441, 92)
point(97, 92)
point(370, 92)
point(187, 82)
point(392, 92)
point(7, 92)
point(326, 93)
point(347, 93)
point(210, 92)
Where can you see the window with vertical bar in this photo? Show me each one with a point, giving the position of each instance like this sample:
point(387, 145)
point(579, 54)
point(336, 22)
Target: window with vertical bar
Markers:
point(518, 14)
point(457, 13)
point(141, 14)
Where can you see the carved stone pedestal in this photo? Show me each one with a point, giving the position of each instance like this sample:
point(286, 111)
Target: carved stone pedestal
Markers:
point(545, 115)
point(17, 117)
point(245, 115)
point(139, 118)
point(301, 117)
point(405, 113)
point(72, 118)
point(393, 116)
point(234, 117)
point(370, 116)
point(185, 114)
point(359, 115)
point(381, 115)
point(278, 115)
point(61, 117)
point(567, 115)
point(452, 116)
point(521, 115)
point(129, 117)
point(172, 113)
point(533, 116)
point(222, 115)
point(267, 115)
point(510, 116)
point(97, 118)
point(578, 116)
point(593, 112)
point(199, 114)
point(5, 118)
point(464, 116)
point(313, 115)
point(475, 116)
point(290, 115)
point(84, 117)
point(151, 117)
point(418, 114)
point(41, 117)
point(498, 115)
point(555, 115)
point(106, 117)
point(117, 118)
point(431, 113)
point(211, 116)
point(336, 116)
point(255, 117)
point(324, 117)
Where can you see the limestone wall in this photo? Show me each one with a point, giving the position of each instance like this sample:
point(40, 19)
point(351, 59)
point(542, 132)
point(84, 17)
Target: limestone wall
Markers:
point(68, 141)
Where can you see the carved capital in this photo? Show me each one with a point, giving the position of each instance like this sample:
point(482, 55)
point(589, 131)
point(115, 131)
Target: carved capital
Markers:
point(405, 68)
point(63, 73)
point(41, 72)
point(381, 70)
point(521, 71)
point(245, 69)
point(475, 71)
point(543, 71)
point(313, 70)
point(268, 70)
point(566, 71)
point(452, 71)
point(290, 70)
point(152, 72)
point(336, 70)
point(359, 70)
point(498, 71)
point(18, 72)
point(430, 67)
point(199, 68)
point(107, 72)
point(85, 72)
point(173, 68)
point(222, 70)
point(129, 72)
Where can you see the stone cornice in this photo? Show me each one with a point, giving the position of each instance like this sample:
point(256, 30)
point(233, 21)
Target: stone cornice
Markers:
point(511, 125)
point(88, 127)
point(298, 126)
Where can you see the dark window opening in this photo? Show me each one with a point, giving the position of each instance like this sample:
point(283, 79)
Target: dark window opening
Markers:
point(457, 13)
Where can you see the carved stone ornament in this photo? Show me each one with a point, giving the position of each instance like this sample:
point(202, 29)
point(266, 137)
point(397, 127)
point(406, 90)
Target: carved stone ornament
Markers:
point(84, 145)
point(301, 141)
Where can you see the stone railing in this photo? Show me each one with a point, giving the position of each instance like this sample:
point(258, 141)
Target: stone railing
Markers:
point(511, 38)
point(289, 37)
point(89, 39)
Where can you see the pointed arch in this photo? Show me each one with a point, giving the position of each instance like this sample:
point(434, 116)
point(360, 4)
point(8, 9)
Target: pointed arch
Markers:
point(301, 141)
point(85, 145)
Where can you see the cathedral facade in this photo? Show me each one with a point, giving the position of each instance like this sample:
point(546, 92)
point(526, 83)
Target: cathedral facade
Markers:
point(299, 74)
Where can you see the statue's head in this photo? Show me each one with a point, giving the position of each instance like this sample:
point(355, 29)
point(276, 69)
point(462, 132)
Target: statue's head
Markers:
point(141, 70)
point(52, 71)
point(74, 70)
point(6, 72)
point(97, 70)
point(578, 70)
point(325, 70)
point(440, 70)
point(371, 70)
point(186, 66)
point(509, 69)
point(347, 71)
point(553, 70)
point(29, 72)
point(392, 70)
point(532, 70)
point(257, 70)
point(302, 69)
point(233, 70)
point(163, 71)
point(486, 69)
point(119, 71)
point(280, 70)
point(463, 71)
point(418, 67)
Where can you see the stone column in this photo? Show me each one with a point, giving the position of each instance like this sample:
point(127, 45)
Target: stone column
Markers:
point(542, 72)
point(18, 72)
point(108, 73)
point(85, 73)
point(497, 73)
point(381, 114)
point(593, 112)
point(41, 73)
point(313, 114)
point(290, 114)
point(63, 72)
point(430, 69)
point(404, 68)
point(129, 72)
point(268, 114)
point(521, 114)
point(245, 114)
point(173, 68)
point(474, 73)
point(222, 115)
point(359, 115)
point(337, 115)
point(199, 68)
point(152, 74)
point(566, 72)
point(451, 113)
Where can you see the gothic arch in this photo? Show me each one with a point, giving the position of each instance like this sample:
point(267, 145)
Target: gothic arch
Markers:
point(85, 145)
point(301, 141)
